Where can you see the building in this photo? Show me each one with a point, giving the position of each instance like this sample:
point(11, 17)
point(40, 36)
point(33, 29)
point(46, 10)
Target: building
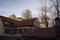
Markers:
point(14, 29)
point(11, 27)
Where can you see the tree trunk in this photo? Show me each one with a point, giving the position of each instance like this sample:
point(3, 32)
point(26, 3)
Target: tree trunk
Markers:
point(57, 8)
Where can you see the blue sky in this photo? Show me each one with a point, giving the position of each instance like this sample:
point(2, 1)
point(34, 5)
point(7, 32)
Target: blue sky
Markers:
point(8, 7)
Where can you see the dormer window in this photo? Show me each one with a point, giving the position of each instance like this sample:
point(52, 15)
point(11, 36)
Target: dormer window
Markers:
point(6, 23)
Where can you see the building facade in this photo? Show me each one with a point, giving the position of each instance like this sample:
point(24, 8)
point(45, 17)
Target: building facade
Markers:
point(14, 29)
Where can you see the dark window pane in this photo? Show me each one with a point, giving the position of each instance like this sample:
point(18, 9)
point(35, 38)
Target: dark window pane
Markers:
point(10, 31)
point(6, 31)
point(20, 31)
point(25, 29)
point(14, 31)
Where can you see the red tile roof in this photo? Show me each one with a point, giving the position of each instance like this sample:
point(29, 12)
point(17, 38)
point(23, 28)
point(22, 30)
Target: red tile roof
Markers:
point(22, 23)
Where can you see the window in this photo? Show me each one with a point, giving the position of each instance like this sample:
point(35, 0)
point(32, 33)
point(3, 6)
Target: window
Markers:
point(14, 31)
point(20, 31)
point(10, 31)
point(6, 23)
point(25, 29)
point(6, 31)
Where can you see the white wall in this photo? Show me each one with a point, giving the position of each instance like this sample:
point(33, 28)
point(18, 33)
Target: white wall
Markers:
point(1, 27)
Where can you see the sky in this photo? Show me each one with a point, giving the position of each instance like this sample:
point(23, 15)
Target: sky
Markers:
point(8, 7)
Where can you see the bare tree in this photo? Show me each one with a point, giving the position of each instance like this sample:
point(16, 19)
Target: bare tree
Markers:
point(56, 5)
point(27, 14)
point(44, 10)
